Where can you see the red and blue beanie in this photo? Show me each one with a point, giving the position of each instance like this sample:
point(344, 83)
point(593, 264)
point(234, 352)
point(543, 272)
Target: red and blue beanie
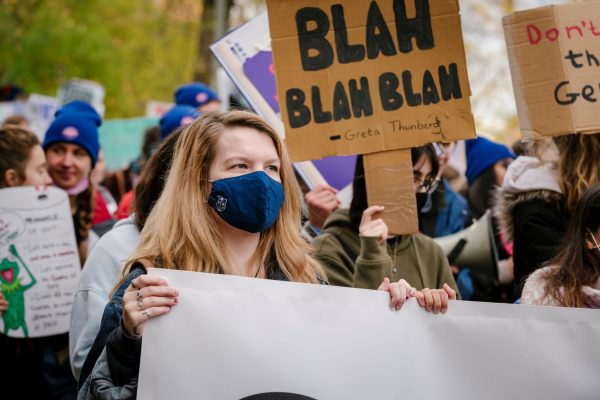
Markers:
point(176, 117)
point(76, 122)
point(482, 154)
point(194, 94)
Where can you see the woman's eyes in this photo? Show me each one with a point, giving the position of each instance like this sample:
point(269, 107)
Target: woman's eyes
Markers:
point(273, 168)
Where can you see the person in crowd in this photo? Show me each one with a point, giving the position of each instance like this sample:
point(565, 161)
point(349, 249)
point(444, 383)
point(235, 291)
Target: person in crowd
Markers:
point(572, 277)
point(442, 211)
point(22, 163)
point(355, 250)
point(541, 192)
point(121, 182)
point(531, 188)
point(104, 265)
point(18, 120)
point(71, 145)
point(174, 118)
point(487, 162)
point(199, 96)
point(232, 158)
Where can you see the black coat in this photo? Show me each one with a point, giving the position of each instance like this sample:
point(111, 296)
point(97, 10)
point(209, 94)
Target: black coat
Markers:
point(539, 228)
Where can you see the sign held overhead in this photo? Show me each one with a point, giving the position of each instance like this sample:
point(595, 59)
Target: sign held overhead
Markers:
point(554, 55)
point(356, 77)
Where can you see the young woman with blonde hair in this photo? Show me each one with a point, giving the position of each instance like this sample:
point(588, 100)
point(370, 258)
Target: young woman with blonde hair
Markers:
point(230, 205)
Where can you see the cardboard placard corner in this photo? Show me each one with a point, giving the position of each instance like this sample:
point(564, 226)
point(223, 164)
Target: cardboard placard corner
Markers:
point(554, 55)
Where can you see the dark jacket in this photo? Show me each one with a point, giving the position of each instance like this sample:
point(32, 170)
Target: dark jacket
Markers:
point(354, 261)
point(111, 319)
point(449, 214)
point(531, 210)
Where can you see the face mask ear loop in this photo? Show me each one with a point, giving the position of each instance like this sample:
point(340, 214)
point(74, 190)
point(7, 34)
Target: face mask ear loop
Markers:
point(597, 245)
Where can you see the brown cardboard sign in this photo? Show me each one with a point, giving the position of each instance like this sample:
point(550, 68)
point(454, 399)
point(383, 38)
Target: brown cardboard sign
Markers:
point(356, 77)
point(554, 55)
point(389, 180)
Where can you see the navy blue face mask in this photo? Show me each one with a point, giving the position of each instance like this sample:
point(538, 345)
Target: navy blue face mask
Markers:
point(249, 202)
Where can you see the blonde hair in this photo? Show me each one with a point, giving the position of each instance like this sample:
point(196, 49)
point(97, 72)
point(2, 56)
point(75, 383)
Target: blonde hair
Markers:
point(579, 165)
point(181, 233)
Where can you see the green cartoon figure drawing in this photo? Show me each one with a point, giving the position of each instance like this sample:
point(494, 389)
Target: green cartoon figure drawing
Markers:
point(13, 291)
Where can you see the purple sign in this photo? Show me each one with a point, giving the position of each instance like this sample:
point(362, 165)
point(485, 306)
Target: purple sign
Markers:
point(338, 171)
point(260, 71)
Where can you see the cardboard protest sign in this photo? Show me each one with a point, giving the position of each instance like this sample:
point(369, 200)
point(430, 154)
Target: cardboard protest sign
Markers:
point(389, 180)
point(554, 55)
point(39, 261)
point(360, 77)
point(241, 338)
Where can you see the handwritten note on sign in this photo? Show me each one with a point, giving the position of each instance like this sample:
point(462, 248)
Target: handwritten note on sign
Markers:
point(357, 77)
point(554, 55)
point(39, 262)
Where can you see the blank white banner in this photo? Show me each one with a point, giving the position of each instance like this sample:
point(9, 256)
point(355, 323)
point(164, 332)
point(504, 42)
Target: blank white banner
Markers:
point(232, 338)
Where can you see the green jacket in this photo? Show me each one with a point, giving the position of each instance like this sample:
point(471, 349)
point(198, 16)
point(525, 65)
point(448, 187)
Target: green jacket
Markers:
point(362, 262)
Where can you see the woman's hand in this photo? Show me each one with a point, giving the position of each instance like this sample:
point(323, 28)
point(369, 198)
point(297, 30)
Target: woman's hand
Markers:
point(147, 297)
point(3, 304)
point(370, 227)
point(436, 300)
point(399, 292)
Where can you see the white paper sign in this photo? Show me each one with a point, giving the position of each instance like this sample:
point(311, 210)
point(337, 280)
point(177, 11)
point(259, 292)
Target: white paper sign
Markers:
point(39, 261)
point(235, 338)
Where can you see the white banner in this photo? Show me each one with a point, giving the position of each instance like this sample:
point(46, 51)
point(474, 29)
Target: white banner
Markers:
point(236, 338)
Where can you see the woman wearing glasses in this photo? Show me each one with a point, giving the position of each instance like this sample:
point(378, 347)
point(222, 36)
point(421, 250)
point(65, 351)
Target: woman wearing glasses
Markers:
point(355, 250)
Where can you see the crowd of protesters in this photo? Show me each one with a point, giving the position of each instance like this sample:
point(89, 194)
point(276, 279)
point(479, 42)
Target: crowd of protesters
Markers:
point(164, 210)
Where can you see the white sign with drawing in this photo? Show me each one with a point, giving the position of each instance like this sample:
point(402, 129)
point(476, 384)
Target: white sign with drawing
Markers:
point(39, 261)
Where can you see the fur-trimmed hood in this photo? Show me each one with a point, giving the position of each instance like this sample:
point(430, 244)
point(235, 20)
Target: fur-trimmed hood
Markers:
point(527, 178)
point(534, 291)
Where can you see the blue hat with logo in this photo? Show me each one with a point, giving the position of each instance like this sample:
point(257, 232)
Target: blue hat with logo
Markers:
point(176, 117)
point(482, 154)
point(194, 94)
point(76, 122)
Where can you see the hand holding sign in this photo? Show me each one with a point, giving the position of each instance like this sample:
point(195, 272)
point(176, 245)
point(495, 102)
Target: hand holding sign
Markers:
point(370, 227)
point(147, 297)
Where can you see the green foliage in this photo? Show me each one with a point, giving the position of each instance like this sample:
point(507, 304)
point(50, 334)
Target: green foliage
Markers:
point(137, 49)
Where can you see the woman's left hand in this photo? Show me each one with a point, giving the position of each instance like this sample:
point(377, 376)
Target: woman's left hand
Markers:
point(436, 300)
point(399, 292)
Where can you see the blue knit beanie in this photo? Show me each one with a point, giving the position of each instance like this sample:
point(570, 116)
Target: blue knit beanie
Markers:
point(482, 154)
point(176, 117)
point(76, 122)
point(194, 94)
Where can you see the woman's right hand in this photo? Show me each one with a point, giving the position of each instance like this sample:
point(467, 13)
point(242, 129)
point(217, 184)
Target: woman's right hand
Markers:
point(147, 297)
point(370, 227)
point(3, 304)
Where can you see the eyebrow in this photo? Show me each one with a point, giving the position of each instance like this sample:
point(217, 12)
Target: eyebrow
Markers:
point(247, 160)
